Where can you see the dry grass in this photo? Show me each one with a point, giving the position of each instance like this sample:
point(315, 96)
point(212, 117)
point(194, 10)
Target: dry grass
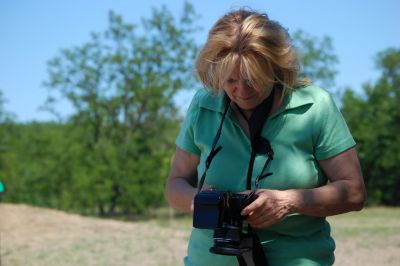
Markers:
point(367, 238)
point(36, 236)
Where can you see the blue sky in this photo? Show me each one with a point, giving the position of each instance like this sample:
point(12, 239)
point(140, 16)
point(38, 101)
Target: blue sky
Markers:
point(33, 31)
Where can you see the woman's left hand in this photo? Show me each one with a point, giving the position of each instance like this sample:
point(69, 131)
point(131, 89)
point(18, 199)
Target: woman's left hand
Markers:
point(269, 207)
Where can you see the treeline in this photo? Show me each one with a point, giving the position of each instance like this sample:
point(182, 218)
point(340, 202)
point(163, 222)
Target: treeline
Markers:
point(58, 166)
point(374, 118)
point(112, 155)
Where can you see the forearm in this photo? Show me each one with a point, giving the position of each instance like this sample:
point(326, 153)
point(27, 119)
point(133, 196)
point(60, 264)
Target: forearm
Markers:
point(179, 194)
point(334, 198)
point(344, 193)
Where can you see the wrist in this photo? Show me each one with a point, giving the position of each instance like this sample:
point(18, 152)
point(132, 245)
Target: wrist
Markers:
point(292, 200)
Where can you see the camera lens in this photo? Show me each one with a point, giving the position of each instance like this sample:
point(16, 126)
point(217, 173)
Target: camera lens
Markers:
point(229, 235)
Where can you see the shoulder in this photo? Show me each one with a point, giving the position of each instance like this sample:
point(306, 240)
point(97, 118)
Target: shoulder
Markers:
point(209, 99)
point(203, 99)
point(203, 95)
point(197, 99)
point(313, 95)
point(316, 93)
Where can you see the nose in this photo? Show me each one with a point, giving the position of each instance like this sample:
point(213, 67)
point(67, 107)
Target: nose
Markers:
point(242, 87)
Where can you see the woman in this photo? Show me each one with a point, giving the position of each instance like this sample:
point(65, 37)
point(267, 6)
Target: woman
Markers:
point(247, 61)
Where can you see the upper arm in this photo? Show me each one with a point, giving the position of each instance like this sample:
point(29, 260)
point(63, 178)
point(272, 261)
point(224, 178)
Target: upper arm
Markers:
point(184, 165)
point(331, 135)
point(346, 167)
point(335, 152)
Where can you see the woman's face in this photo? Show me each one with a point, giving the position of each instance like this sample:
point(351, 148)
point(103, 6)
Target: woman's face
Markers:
point(241, 93)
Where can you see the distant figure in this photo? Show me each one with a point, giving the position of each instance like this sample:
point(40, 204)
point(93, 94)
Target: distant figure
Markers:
point(257, 126)
point(1, 189)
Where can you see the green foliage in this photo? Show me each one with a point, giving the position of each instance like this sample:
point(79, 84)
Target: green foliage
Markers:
point(6, 152)
point(318, 60)
point(113, 154)
point(374, 119)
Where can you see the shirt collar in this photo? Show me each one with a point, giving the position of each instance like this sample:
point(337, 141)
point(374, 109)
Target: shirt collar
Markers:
point(298, 98)
point(215, 100)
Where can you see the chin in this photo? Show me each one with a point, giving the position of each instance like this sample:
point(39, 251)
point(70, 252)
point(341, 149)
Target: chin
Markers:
point(247, 106)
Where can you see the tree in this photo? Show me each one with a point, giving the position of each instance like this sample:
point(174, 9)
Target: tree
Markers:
point(317, 58)
point(374, 119)
point(5, 116)
point(6, 130)
point(121, 85)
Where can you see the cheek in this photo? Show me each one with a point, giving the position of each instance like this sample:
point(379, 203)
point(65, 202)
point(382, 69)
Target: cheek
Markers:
point(263, 93)
point(228, 90)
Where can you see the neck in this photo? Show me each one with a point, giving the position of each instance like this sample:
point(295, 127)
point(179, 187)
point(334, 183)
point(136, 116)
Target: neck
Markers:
point(246, 113)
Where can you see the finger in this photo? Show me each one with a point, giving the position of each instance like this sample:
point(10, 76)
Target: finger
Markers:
point(247, 211)
point(207, 187)
point(255, 218)
point(246, 192)
point(259, 221)
point(255, 206)
point(264, 220)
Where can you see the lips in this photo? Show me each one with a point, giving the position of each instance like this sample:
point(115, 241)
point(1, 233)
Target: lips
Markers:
point(246, 98)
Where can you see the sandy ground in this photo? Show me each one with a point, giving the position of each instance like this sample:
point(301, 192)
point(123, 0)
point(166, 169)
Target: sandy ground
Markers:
point(36, 236)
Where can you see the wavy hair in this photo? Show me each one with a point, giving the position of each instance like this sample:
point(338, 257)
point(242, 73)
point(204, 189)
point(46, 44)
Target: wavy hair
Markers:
point(261, 47)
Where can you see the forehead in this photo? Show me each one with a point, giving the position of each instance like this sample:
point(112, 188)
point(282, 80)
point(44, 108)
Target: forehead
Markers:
point(236, 73)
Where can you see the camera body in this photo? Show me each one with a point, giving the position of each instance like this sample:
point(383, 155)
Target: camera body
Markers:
point(220, 211)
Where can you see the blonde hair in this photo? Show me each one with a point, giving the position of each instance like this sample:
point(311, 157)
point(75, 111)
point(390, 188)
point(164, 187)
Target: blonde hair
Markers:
point(261, 47)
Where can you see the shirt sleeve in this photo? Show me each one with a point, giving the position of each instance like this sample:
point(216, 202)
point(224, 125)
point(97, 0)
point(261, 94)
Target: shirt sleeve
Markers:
point(186, 136)
point(333, 135)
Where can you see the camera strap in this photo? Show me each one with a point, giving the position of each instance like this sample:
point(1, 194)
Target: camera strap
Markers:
point(260, 145)
point(255, 256)
point(214, 148)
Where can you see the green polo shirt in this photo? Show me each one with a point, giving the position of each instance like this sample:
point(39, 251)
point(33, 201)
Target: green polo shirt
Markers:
point(307, 127)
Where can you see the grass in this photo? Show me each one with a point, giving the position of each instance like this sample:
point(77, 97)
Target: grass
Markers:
point(377, 222)
point(35, 236)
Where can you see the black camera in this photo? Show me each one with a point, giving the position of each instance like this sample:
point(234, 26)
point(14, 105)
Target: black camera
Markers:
point(220, 210)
